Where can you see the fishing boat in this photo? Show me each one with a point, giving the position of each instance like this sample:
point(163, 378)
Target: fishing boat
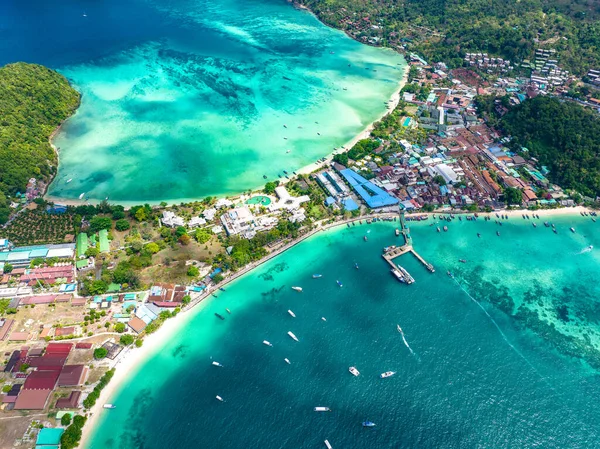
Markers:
point(287, 361)
point(298, 289)
point(546, 224)
point(368, 424)
point(219, 398)
point(264, 176)
point(339, 283)
point(327, 445)
point(109, 406)
point(217, 364)
point(387, 374)
point(292, 314)
point(265, 342)
point(317, 276)
point(322, 409)
point(398, 275)
point(449, 273)
point(445, 228)
point(534, 225)
point(218, 315)
point(354, 371)
point(292, 336)
point(438, 229)
point(593, 219)
point(554, 230)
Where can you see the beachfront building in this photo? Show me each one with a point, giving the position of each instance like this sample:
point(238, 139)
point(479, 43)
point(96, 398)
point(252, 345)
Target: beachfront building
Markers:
point(241, 221)
point(171, 220)
point(375, 197)
point(23, 255)
point(287, 202)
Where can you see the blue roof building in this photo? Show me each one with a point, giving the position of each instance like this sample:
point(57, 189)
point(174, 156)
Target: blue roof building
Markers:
point(349, 204)
point(371, 194)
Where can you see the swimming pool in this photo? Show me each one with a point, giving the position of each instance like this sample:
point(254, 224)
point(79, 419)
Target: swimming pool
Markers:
point(259, 199)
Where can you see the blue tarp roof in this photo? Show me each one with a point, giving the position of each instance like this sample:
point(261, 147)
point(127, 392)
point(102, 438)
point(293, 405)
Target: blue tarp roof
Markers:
point(350, 204)
point(49, 436)
point(369, 192)
point(329, 201)
point(214, 273)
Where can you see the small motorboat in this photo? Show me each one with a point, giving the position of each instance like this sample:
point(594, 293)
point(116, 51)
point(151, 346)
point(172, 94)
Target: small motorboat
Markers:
point(218, 315)
point(387, 374)
point(292, 336)
point(69, 180)
point(217, 364)
point(298, 289)
point(317, 276)
point(110, 406)
point(572, 230)
point(322, 409)
point(228, 311)
point(292, 314)
point(287, 361)
point(368, 424)
point(265, 342)
point(323, 318)
point(356, 265)
point(219, 398)
point(339, 283)
point(354, 371)
point(462, 260)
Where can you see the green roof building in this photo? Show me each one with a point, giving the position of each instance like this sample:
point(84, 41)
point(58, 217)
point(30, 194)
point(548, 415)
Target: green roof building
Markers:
point(104, 245)
point(82, 244)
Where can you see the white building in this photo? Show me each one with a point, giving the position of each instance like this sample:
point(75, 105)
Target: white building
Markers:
point(447, 173)
point(286, 201)
point(209, 214)
point(196, 221)
point(223, 202)
point(171, 220)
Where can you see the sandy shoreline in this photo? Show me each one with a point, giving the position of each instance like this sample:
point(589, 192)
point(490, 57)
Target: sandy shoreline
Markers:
point(131, 358)
point(575, 210)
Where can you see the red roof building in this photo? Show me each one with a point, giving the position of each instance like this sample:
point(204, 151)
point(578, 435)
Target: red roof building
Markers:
point(72, 375)
point(83, 346)
point(32, 399)
point(41, 380)
point(47, 362)
point(59, 348)
point(72, 401)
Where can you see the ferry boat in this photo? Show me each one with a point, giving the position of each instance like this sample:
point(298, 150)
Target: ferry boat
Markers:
point(109, 406)
point(292, 314)
point(291, 334)
point(354, 371)
point(327, 445)
point(219, 398)
point(387, 374)
point(218, 315)
point(317, 276)
point(398, 275)
point(287, 361)
point(265, 342)
point(339, 283)
point(368, 424)
point(322, 409)
point(298, 289)
point(409, 279)
point(217, 364)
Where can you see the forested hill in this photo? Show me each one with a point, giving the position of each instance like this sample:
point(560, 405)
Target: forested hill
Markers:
point(563, 136)
point(443, 30)
point(34, 100)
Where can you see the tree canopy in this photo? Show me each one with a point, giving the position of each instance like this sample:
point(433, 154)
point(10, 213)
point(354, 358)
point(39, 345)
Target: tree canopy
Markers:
point(34, 101)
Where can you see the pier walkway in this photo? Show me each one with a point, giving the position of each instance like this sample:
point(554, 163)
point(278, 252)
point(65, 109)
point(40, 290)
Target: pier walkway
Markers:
point(391, 254)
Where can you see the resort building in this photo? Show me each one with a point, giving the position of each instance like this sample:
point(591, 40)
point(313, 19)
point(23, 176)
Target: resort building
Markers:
point(23, 255)
point(171, 220)
point(241, 221)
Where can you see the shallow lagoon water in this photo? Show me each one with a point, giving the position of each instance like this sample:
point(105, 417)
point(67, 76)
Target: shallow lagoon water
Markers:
point(479, 377)
point(188, 98)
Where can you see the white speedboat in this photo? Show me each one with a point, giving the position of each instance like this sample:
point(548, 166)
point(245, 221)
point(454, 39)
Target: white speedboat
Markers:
point(69, 180)
point(298, 289)
point(322, 409)
point(327, 445)
point(81, 196)
point(292, 313)
point(291, 334)
point(265, 342)
point(217, 364)
point(109, 406)
point(287, 361)
point(323, 318)
point(354, 371)
point(387, 374)
point(219, 398)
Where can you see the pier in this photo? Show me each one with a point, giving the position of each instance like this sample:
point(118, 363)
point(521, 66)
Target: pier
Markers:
point(394, 252)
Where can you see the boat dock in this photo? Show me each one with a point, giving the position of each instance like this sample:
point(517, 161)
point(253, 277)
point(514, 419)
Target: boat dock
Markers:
point(391, 253)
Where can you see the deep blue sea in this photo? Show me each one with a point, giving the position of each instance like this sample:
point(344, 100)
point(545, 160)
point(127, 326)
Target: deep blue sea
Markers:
point(182, 99)
point(477, 377)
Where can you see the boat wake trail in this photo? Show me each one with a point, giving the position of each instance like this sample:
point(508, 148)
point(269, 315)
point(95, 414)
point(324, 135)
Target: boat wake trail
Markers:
point(585, 250)
point(405, 342)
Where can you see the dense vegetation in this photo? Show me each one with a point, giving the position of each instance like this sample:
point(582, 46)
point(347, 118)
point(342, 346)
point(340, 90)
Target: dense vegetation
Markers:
point(444, 30)
point(34, 100)
point(564, 136)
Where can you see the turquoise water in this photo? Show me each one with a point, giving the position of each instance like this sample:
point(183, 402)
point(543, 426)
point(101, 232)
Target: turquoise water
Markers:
point(188, 98)
point(484, 372)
